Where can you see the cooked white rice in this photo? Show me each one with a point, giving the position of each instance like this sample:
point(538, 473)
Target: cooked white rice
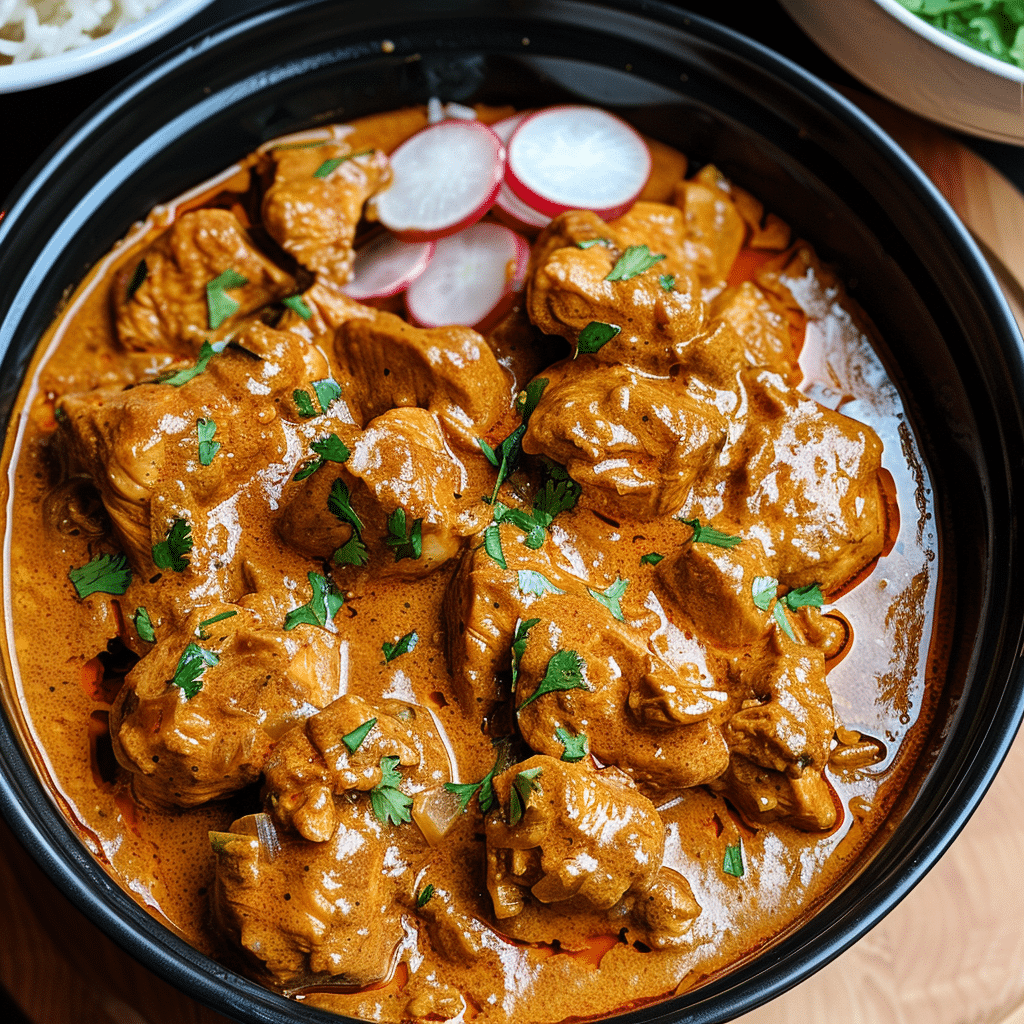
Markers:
point(43, 28)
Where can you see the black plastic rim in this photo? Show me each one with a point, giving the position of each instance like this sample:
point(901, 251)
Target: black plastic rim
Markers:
point(952, 343)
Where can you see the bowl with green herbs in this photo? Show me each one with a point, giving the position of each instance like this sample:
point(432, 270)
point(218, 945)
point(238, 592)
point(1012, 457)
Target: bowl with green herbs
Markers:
point(958, 62)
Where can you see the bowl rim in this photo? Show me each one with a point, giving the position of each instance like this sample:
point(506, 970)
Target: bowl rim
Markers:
point(743, 988)
point(102, 51)
point(950, 43)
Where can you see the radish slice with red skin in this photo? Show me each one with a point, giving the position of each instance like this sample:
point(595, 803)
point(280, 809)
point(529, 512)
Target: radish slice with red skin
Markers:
point(472, 279)
point(387, 265)
point(577, 158)
point(522, 215)
point(445, 177)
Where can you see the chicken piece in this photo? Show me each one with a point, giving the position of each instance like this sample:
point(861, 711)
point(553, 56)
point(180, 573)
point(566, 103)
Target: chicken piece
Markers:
point(803, 480)
point(449, 370)
point(312, 208)
point(169, 311)
point(567, 287)
point(668, 168)
point(196, 718)
point(714, 230)
point(634, 443)
point(575, 840)
point(313, 763)
point(307, 912)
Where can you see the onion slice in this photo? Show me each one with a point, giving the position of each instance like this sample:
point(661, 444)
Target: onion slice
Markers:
point(577, 158)
point(472, 279)
point(445, 177)
point(387, 265)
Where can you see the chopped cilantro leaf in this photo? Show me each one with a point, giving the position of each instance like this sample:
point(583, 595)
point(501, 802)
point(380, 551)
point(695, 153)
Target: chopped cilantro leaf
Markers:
point(667, 282)
point(590, 242)
point(529, 399)
point(526, 522)
point(335, 162)
point(780, 617)
point(327, 392)
point(328, 449)
point(732, 863)
point(576, 747)
point(610, 598)
point(532, 582)
point(354, 739)
point(297, 304)
point(709, 535)
point(492, 458)
point(594, 337)
point(402, 645)
point(203, 635)
point(136, 280)
point(405, 542)
point(352, 552)
point(804, 597)
point(104, 574)
point(509, 452)
point(194, 661)
point(519, 645)
point(208, 448)
point(523, 785)
point(340, 507)
point(465, 791)
point(763, 590)
point(564, 672)
point(144, 625)
point(219, 305)
point(170, 553)
point(389, 803)
point(320, 608)
point(206, 353)
point(634, 261)
point(424, 895)
point(303, 403)
point(651, 558)
point(492, 544)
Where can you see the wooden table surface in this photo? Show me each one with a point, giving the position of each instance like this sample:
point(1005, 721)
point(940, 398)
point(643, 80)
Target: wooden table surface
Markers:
point(60, 968)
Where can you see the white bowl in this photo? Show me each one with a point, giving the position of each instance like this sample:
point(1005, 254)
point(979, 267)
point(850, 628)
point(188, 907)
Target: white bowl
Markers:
point(917, 66)
point(105, 50)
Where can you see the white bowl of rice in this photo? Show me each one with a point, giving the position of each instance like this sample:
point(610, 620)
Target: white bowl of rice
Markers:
point(44, 41)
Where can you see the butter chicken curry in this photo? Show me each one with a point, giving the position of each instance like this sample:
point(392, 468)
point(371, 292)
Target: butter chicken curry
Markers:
point(512, 674)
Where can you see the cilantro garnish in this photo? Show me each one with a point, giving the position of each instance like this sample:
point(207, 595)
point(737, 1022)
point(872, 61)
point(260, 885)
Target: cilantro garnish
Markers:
point(779, 612)
point(104, 574)
point(804, 597)
point(322, 606)
point(328, 449)
point(208, 448)
point(590, 242)
point(194, 661)
point(533, 582)
point(144, 625)
point(389, 803)
point(507, 455)
point(519, 645)
point(352, 552)
point(465, 791)
point(594, 337)
point(206, 353)
point(329, 165)
point(576, 747)
point(492, 544)
point(492, 458)
point(424, 895)
point(405, 542)
point(532, 527)
point(402, 645)
point(634, 261)
point(203, 635)
point(219, 305)
point(354, 739)
point(297, 304)
point(651, 558)
point(763, 590)
point(326, 391)
point(559, 494)
point(732, 863)
point(528, 399)
point(339, 505)
point(709, 535)
point(135, 281)
point(564, 672)
point(523, 785)
point(610, 598)
point(170, 553)
point(667, 282)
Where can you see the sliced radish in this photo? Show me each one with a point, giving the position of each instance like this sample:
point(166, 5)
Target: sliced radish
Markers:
point(577, 158)
point(510, 207)
point(444, 178)
point(472, 279)
point(387, 266)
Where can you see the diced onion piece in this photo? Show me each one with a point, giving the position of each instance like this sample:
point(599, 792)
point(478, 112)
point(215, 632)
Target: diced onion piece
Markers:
point(577, 158)
point(387, 266)
point(434, 811)
point(472, 279)
point(445, 177)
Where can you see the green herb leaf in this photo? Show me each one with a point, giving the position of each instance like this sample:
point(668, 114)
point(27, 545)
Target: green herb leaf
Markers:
point(667, 282)
point(559, 494)
point(804, 597)
point(327, 391)
point(297, 304)
point(136, 280)
point(590, 242)
point(523, 785)
point(405, 543)
point(507, 455)
point(532, 582)
point(709, 535)
point(328, 449)
point(103, 574)
point(651, 558)
point(206, 353)
point(519, 645)
point(219, 305)
point(170, 553)
point(576, 746)
point(303, 403)
point(529, 399)
point(465, 791)
point(564, 672)
point(634, 261)
point(203, 635)
point(424, 896)
point(320, 608)
point(208, 448)
point(610, 598)
point(402, 645)
point(531, 525)
point(492, 458)
point(594, 337)
point(779, 613)
point(492, 544)
point(144, 625)
point(732, 863)
point(389, 803)
point(763, 590)
point(354, 739)
point(194, 661)
point(329, 165)
point(339, 505)
point(352, 552)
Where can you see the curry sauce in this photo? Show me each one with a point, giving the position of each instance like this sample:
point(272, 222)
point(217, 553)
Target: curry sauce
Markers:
point(421, 673)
